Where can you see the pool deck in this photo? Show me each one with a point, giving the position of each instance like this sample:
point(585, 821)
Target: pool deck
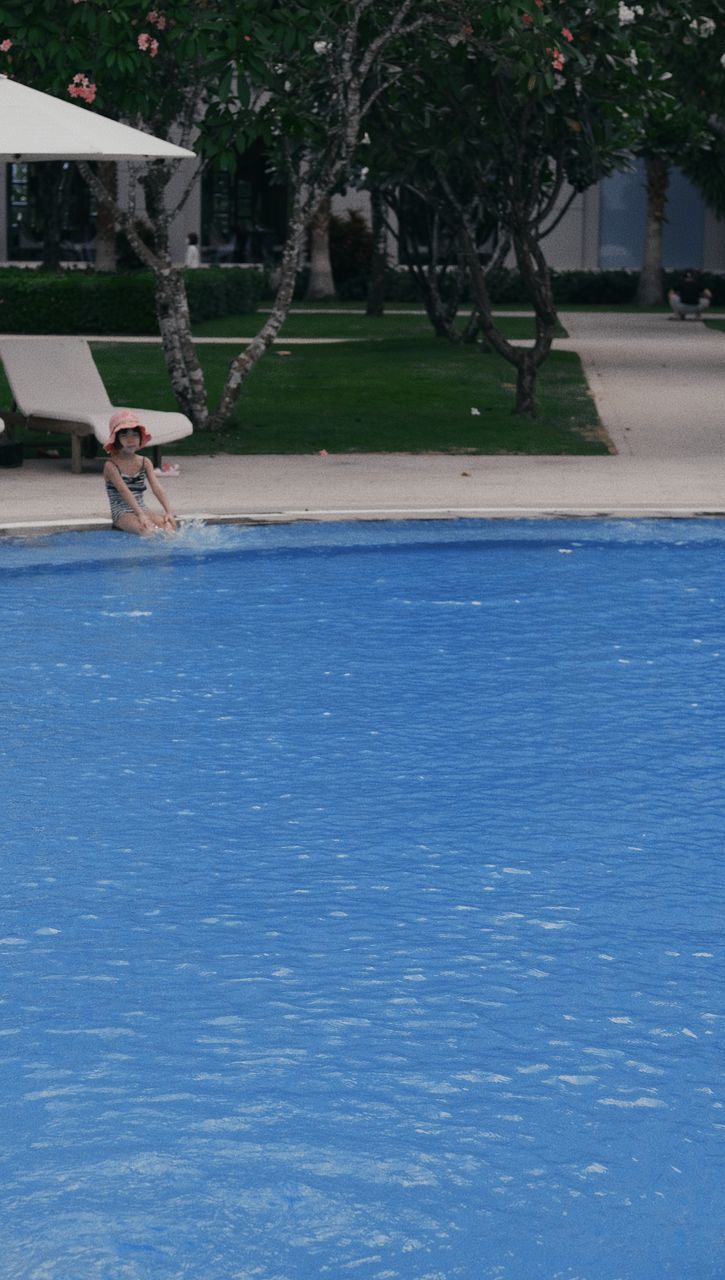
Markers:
point(659, 391)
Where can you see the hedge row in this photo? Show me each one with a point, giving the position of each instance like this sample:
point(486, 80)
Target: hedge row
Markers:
point(584, 287)
point(83, 302)
point(592, 287)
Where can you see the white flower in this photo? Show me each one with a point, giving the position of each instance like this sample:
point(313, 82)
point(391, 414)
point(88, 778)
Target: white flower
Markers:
point(703, 26)
point(666, 76)
point(722, 60)
point(321, 46)
point(626, 15)
point(632, 59)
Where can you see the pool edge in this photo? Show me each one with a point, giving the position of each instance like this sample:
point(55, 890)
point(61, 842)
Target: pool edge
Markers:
point(641, 511)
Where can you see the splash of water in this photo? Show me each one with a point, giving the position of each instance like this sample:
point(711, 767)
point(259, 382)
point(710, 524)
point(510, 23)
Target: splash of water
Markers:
point(195, 533)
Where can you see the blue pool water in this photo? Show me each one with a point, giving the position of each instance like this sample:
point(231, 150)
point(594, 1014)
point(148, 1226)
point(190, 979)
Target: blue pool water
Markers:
point(362, 903)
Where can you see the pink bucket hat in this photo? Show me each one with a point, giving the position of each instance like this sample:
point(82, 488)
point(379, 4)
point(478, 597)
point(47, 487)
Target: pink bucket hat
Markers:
point(125, 420)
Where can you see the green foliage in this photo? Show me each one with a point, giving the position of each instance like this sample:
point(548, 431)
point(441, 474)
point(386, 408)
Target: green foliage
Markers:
point(182, 50)
point(223, 291)
point(82, 302)
point(570, 288)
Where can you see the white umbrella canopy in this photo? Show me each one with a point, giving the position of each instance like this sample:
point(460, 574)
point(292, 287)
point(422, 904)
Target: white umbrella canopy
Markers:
point(36, 126)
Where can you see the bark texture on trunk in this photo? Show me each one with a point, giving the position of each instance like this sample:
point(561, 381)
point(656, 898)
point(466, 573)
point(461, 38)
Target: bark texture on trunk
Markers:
point(535, 275)
point(321, 284)
point(243, 364)
point(651, 287)
point(185, 372)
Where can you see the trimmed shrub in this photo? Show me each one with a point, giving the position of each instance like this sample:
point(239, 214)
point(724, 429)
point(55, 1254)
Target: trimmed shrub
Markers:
point(583, 287)
point(586, 288)
point(82, 302)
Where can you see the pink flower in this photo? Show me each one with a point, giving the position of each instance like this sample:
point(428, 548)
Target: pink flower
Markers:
point(527, 19)
point(157, 19)
point(539, 4)
point(6, 44)
point(81, 87)
point(147, 43)
point(557, 59)
point(567, 34)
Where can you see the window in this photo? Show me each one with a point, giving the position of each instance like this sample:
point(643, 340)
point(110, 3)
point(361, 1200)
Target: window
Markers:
point(244, 214)
point(47, 201)
point(623, 214)
point(415, 231)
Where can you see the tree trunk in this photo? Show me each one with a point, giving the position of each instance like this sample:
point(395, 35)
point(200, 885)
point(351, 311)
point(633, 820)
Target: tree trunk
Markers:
point(535, 276)
point(105, 223)
point(243, 364)
point(185, 372)
point(651, 287)
point(526, 386)
point(321, 286)
point(534, 271)
point(378, 267)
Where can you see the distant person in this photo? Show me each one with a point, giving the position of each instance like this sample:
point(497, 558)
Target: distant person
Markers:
point(127, 476)
point(690, 300)
point(193, 257)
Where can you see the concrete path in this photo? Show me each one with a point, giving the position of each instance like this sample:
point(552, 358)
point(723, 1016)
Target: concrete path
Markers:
point(659, 384)
point(659, 390)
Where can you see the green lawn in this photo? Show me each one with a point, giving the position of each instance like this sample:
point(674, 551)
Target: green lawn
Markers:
point(410, 392)
point(406, 395)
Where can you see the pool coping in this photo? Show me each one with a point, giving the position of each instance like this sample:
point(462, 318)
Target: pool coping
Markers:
point(640, 511)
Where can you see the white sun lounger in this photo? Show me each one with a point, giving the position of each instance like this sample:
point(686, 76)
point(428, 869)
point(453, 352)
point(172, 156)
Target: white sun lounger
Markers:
point(57, 387)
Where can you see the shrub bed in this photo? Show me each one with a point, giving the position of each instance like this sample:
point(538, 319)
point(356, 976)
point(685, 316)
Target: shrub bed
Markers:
point(82, 302)
point(585, 288)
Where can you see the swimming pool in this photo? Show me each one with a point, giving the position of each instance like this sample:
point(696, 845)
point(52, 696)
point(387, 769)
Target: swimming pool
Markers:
point(363, 903)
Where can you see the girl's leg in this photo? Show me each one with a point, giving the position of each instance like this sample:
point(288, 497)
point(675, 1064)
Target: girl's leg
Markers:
point(129, 523)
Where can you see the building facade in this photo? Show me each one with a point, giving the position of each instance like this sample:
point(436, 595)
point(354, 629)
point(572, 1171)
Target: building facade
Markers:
point(241, 218)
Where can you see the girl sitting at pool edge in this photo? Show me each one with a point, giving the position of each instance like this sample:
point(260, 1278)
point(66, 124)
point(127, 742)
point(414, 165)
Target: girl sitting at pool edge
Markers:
point(127, 476)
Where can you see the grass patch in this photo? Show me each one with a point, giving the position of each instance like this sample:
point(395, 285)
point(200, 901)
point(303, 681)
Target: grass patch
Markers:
point(411, 394)
point(408, 395)
point(719, 325)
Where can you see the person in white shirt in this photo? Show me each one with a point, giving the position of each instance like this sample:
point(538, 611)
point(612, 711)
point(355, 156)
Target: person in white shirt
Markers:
point(193, 257)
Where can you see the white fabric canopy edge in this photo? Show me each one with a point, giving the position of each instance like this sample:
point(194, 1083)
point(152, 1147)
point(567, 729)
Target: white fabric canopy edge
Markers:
point(37, 126)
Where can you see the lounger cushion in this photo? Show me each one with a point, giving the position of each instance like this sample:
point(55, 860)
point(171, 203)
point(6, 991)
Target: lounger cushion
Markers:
point(56, 378)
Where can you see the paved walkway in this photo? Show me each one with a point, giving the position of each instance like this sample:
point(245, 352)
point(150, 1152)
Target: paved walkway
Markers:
point(659, 390)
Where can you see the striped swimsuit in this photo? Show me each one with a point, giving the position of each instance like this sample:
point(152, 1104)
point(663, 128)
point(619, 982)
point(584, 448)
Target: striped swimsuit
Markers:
point(137, 486)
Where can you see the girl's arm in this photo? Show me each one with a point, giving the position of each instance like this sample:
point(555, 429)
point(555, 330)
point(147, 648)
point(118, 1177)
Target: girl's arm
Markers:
point(112, 473)
point(158, 492)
